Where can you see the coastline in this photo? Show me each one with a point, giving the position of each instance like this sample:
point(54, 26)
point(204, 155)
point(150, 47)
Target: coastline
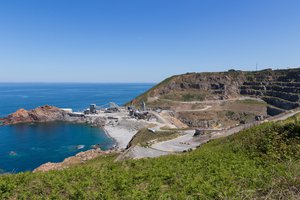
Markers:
point(118, 126)
point(121, 136)
point(116, 144)
point(120, 133)
point(82, 156)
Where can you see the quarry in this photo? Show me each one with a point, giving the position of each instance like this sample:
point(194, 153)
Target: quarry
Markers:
point(183, 112)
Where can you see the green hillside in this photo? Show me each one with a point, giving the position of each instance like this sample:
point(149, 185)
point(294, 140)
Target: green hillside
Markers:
point(261, 162)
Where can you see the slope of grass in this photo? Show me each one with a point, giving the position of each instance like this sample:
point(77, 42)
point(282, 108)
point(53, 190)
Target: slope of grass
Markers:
point(145, 95)
point(261, 162)
point(185, 96)
point(144, 136)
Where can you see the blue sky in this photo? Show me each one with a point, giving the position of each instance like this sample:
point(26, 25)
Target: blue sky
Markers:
point(143, 40)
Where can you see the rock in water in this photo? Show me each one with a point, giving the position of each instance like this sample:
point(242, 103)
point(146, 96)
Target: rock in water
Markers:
point(12, 153)
point(41, 114)
point(80, 146)
point(96, 146)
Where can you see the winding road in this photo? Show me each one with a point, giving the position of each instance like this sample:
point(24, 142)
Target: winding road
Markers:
point(186, 141)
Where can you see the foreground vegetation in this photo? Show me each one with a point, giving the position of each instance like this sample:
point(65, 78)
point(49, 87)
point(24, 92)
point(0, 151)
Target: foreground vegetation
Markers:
point(261, 162)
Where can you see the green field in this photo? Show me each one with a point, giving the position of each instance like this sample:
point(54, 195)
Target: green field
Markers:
point(261, 162)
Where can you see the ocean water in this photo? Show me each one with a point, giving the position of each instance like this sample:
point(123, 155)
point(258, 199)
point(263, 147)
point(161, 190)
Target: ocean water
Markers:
point(77, 96)
point(24, 147)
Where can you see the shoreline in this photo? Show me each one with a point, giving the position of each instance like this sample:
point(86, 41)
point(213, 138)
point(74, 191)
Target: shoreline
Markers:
point(116, 145)
point(121, 134)
point(118, 126)
point(82, 156)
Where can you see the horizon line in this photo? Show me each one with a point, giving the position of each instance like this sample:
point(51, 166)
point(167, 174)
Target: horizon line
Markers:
point(58, 82)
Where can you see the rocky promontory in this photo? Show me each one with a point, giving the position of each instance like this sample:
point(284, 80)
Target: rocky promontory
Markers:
point(41, 114)
point(49, 114)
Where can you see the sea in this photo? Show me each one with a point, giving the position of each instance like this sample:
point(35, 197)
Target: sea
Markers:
point(24, 147)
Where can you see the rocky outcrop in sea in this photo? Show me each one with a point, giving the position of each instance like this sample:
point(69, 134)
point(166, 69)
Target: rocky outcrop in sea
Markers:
point(49, 114)
point(41, 114)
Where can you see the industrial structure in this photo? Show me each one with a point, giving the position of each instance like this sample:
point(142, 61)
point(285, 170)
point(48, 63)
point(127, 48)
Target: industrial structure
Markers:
point(94, 109)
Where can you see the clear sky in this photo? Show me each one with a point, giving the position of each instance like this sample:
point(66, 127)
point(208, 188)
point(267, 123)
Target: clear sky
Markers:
point(143, 40)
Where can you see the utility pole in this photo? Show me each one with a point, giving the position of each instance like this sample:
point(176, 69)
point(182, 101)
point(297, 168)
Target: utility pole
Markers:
point(256, 66)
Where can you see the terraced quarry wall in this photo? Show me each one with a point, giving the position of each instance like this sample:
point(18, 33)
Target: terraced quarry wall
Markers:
point(279, 89)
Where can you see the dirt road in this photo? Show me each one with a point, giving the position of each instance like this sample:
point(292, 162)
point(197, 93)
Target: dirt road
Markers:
point(187, 141)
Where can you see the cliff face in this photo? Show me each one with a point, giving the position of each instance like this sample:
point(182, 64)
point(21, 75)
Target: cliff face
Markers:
point(199, 86)
point(40, 114)
point(279, 88)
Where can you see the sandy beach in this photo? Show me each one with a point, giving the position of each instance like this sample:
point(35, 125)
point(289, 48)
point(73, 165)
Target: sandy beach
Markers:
point(124, 130)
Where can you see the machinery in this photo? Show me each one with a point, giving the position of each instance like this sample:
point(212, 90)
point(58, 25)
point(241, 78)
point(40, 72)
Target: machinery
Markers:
point(109, 108)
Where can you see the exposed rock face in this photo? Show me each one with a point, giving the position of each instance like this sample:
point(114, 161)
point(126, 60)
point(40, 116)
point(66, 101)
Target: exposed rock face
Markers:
point(49, 114)
point(279, 88)
point(193, 121)
point(201, 123)
point(210, 85)
point(40, 114)
point(280, 103)
point(271, 110)
point(73, 160)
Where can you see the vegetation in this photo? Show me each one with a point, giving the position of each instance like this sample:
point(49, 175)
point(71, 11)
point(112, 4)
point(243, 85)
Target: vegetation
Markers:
point(258, 163)
point(145, 95)
point(144, 136)
point(241, 117)
point(251, 101)
point(185, 96)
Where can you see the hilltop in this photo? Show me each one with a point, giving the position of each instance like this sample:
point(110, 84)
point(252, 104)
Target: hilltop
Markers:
point(227, 85)
point(223, 99)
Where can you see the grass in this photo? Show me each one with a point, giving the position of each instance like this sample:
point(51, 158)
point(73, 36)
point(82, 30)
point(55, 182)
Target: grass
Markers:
point(144, 96)
point(144, 136)
point(258, 163)
point(251, 101)
point(185, 96)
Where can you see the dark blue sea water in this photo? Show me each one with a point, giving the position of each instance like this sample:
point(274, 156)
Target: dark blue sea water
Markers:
point(77, 96)
point(26, 146)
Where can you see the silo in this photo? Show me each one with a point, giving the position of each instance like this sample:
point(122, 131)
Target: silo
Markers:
point(93, 108)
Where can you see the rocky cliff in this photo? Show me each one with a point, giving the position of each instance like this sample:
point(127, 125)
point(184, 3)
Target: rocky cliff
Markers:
point(197, 86)
point(280, 89)
point(41, 114)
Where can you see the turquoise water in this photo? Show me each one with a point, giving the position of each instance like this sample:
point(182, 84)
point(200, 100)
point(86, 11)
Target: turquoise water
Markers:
point(24, 147)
